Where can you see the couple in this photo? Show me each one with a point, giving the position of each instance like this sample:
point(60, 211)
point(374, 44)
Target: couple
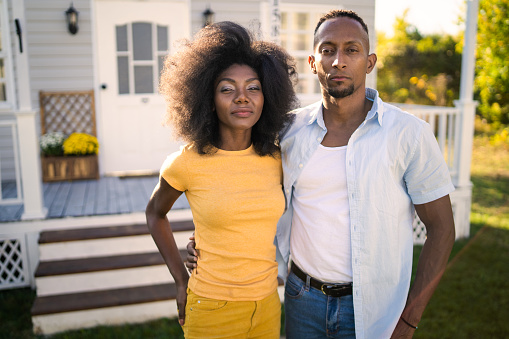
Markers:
point(354, 170)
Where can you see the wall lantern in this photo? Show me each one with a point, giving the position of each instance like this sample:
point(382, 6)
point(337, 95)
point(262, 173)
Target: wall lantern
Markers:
point(208, 17)
point(72, 19)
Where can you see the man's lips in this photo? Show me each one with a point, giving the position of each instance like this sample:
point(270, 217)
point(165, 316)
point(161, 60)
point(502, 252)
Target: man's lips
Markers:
point(338, 77)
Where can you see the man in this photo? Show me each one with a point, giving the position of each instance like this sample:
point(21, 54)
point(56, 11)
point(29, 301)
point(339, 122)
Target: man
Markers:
point(354, 170)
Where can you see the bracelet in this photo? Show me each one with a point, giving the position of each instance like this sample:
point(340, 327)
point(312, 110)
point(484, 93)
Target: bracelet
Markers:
point(406, 322)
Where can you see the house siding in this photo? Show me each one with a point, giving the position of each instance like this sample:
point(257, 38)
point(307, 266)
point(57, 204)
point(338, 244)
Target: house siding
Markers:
point(58, 60)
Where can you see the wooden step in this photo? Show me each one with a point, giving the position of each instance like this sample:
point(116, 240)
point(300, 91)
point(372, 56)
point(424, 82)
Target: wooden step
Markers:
point(106, 232)
point(100, 299)
point(76, 266)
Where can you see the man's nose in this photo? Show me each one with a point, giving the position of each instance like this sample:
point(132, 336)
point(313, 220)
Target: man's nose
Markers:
point(339, 60)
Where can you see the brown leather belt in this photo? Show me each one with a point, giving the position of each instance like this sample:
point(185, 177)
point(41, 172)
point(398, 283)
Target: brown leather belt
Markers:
point(333, 290)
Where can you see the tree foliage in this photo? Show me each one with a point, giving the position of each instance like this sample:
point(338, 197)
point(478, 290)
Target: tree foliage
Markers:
point(418, 69)
point(492, 66)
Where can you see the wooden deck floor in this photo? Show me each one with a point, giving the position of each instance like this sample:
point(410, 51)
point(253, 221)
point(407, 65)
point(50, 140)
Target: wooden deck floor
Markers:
point(108, 195)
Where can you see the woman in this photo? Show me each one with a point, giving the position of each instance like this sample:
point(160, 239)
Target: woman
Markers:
point(227, 97)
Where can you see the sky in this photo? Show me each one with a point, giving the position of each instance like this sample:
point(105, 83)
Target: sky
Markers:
point(429, 16)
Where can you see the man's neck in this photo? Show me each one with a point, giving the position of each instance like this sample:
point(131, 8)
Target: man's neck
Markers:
point(342, 117)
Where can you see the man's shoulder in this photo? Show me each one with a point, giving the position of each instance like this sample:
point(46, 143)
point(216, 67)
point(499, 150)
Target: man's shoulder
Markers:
point(395, 116)
point(302, 117)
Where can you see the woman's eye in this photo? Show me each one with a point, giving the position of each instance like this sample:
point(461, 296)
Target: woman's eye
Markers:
point(226, 90)
point(254, 88)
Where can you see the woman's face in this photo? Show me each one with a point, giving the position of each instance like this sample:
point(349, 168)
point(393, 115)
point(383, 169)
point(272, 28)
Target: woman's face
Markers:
point(238, 98)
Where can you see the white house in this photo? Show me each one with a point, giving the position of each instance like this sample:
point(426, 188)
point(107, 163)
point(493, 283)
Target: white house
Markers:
point(117, 52)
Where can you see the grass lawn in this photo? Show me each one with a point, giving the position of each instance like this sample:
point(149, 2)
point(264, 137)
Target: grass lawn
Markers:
point(472, 300)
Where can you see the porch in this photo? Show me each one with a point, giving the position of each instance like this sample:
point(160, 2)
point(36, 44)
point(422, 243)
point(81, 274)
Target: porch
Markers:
point(105, 196)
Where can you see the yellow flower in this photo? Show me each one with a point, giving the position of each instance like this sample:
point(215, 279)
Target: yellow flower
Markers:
point(81, 144)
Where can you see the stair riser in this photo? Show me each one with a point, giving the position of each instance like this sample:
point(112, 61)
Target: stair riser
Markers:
point(105, 247)
point(103, 280)
point(54, 323)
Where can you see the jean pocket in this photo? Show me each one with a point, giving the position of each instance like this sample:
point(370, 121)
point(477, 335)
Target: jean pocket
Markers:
point(294, 287)
point(206, 304)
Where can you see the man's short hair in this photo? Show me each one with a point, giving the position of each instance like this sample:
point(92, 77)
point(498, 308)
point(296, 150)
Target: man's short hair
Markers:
point(340, 13)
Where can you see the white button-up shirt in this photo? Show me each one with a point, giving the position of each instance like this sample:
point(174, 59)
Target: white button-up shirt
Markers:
point(393, 161)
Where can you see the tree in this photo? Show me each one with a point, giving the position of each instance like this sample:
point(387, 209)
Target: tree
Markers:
point(418, 69)
point(492, 67)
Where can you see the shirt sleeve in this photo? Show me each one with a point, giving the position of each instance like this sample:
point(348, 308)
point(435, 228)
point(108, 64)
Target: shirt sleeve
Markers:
point(427, 176)
point(174, 171)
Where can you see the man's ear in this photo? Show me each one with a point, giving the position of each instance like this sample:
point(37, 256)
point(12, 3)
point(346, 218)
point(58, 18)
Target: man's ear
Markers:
point(371, 62)
point(311, 62)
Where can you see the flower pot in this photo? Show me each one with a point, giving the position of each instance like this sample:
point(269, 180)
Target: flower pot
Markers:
point(76, 167)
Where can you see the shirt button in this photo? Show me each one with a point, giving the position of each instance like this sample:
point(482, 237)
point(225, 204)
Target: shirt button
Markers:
point(301, 165)
point(318, 139)
point(287, 191)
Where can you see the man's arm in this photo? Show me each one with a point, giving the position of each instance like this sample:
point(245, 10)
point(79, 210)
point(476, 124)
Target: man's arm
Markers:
point(438, 218)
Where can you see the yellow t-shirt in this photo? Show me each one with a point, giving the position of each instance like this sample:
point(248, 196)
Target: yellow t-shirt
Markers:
point(236, 199)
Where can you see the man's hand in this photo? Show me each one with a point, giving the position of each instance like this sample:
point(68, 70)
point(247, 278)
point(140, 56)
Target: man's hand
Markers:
point(402, 331)
point(181, 304)
point(192, 255)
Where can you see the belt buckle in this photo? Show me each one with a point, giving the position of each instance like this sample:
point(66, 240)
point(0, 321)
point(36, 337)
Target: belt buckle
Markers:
point(332, 286)
point(327, 286)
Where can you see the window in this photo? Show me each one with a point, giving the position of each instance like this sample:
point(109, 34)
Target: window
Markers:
point(298, 23)
point(141, 48)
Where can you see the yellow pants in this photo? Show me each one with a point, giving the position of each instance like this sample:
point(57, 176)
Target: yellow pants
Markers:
point(211, 318)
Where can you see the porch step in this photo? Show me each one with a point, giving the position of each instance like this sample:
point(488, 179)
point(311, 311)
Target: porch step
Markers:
point(110, 272)
point(103, 276)
point(100, 299)
point(105, 241)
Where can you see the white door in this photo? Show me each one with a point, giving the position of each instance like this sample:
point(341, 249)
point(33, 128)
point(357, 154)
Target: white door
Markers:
point(132, 39)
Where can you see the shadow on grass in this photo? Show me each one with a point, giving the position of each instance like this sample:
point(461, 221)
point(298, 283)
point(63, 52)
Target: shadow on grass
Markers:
point(472, 300)
point(490, 191)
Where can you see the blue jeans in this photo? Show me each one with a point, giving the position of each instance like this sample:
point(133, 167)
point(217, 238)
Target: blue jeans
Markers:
point(311, 314)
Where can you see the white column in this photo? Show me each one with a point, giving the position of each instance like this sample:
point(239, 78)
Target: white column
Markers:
point(275, 22)
point(27, 133)
point(467, 106)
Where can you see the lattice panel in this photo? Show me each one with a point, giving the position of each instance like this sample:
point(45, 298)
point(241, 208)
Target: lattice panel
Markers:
point(13, 263)
point(419, 231)
point(67, 112)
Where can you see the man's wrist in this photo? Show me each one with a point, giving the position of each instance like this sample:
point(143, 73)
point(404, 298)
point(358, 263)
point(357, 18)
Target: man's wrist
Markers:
point(406, 322)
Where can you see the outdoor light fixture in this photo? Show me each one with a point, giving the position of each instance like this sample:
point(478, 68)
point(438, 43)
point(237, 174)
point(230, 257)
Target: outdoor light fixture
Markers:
point(208, 17)
point(72, 19)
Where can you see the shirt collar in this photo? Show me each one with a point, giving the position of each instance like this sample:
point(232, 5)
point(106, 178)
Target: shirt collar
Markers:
point(376, 110)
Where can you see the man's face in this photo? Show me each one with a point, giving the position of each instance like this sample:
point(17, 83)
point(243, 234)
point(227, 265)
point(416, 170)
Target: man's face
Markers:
point(341, 57)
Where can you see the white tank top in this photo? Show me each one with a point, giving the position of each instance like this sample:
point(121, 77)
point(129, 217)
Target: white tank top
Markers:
point(320, 238)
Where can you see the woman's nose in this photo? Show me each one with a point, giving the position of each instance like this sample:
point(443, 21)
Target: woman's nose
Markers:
point(241, 97)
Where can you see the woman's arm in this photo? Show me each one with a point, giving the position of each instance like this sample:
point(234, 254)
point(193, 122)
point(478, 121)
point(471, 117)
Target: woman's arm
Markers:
point(161, 201)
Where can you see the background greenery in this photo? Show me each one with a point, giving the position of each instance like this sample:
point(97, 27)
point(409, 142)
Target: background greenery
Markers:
point(425, 69)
